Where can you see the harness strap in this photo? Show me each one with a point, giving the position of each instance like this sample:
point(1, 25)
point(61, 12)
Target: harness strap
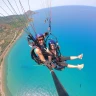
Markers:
point(34, 56)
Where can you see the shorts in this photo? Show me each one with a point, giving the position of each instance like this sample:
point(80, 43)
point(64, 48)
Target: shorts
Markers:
point(63, 58)
point(60, 65)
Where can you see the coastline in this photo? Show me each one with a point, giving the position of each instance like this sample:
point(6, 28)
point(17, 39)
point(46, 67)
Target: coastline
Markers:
point(2, 57)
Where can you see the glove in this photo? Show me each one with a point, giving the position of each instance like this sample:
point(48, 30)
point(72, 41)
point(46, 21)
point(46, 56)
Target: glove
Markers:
point(28, 38)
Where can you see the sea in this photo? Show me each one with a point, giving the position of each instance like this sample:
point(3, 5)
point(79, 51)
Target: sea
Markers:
point(75, 29)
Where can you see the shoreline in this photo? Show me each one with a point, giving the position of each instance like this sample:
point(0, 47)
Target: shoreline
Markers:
point(7, 49)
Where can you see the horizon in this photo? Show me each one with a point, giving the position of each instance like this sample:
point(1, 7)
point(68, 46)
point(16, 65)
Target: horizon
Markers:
point(51, 7)
point(37, 5)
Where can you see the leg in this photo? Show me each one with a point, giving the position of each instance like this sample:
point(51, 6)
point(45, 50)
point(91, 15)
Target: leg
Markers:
point(76, 57)
point(71, 66)
point(76, 66)
point(63, 58)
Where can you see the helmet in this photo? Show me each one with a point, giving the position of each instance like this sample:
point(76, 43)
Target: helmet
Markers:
point(51, 42)
point(39, 35)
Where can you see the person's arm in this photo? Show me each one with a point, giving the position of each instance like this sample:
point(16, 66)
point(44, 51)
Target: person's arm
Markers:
point(47, 63)
point(39, 53)
point(48, 51)
point(50, 58)
point(46, 34)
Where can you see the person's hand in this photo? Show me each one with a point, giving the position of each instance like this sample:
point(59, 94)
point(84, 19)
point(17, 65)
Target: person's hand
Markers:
point(48, 64)
point(80, 56)
point(46, 33)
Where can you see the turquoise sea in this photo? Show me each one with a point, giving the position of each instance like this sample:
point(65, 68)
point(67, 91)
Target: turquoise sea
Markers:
point(75, 28)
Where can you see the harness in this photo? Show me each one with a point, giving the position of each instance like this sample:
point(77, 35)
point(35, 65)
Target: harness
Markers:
point(56, 59)
point(36, 58)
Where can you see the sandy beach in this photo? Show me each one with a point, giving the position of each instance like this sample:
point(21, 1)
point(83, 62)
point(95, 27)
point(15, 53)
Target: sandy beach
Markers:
point(2, 57)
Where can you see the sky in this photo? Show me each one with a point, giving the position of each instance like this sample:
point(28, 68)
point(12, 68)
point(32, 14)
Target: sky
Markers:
point(38, 4)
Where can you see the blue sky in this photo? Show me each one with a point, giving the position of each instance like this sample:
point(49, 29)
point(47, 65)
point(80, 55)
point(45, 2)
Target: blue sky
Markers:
point(39, 4)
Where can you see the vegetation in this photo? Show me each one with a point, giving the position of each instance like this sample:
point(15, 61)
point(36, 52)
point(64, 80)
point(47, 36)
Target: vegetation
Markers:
point(9, 27)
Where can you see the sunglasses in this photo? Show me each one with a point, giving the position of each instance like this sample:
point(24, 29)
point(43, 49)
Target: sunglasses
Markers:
point(40, 39)
point(52, 44)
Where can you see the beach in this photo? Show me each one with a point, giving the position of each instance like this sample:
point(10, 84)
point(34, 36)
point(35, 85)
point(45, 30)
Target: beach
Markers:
point(2, 57)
